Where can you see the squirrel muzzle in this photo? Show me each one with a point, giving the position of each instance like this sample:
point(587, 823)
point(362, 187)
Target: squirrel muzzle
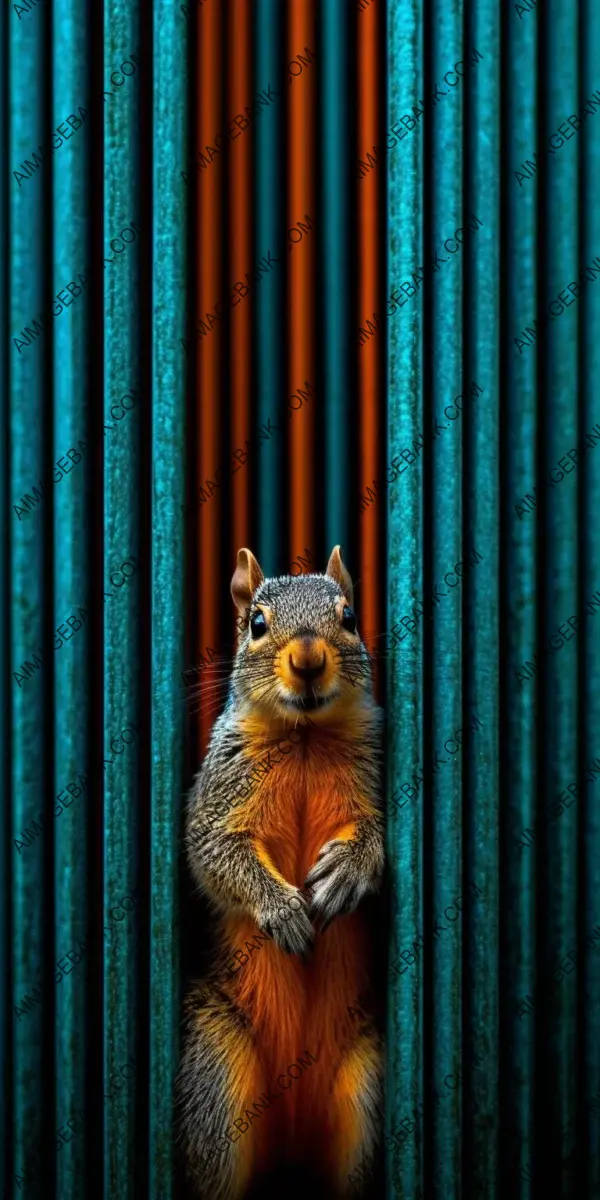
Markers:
point(307, 665)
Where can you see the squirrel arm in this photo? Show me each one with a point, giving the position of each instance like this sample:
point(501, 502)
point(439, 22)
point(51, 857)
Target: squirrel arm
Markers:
point(364, 839)
point(229, 865)
point(232, 869)
point(348, 866)
point(235, 871)
point(362, 832)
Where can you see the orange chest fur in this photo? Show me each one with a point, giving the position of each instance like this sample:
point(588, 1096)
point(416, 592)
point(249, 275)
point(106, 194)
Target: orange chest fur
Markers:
point(301, 804)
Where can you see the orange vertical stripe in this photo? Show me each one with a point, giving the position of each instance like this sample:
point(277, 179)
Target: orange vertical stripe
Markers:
point(300, 258)
point(369, 300)
point(240, 236)
point(210, 200)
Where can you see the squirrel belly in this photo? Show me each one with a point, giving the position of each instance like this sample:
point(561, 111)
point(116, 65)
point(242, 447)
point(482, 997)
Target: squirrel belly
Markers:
point(292, 1002)
point(295, 1003)
point(309, 797)
point(298, 1006)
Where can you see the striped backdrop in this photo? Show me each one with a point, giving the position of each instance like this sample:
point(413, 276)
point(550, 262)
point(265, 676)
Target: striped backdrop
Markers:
point(320, 255)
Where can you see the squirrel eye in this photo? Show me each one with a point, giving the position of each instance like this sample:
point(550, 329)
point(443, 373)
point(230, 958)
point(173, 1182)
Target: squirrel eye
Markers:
point(349, 620)
point(258, 624)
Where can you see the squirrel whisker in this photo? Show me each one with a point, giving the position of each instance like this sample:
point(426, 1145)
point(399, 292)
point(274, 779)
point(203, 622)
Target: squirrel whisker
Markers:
point(214, 678)
point(201, 683)
point(202, 689)
point(271, 687)
point(211, 669)
point(209, 683)
point(206, 688)
point(212, 706)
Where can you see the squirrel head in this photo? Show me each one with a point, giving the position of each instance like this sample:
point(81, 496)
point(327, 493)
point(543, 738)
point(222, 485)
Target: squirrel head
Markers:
point(299, 650)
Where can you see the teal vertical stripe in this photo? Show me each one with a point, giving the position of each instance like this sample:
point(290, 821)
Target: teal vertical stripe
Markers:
point(336, 265)
point(67, 502)
point(447, 549)
point(122, 601)
point(27, 585)
point(520, 255)
point(168, 375)
point(561, 257)
point(405, 1078)
point(270, 232)
point(481, 430)
point(589, 483)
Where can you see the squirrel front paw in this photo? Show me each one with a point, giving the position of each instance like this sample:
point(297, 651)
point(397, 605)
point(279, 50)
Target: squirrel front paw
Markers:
point(285, 919)
point(336, 883)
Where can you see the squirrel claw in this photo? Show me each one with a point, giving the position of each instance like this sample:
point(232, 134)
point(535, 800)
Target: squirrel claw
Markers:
point(334, 884)
point(290, 928)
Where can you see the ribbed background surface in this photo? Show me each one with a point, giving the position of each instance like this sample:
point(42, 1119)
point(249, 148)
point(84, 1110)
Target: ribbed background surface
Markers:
point(258, 220)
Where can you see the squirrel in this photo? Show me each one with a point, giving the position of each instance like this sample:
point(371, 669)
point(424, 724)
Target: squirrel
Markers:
point(285, 856)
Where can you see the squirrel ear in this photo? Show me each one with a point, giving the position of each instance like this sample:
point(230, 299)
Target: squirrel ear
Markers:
point(337, 571)
point(246, 578)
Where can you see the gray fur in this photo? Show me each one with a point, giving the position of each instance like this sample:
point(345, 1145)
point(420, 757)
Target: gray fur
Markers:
point(225, 865)
point(202, 1094)
point(299, 604)
point(346, 871)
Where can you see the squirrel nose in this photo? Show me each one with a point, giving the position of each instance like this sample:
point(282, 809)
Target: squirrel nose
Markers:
point(307, 667)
